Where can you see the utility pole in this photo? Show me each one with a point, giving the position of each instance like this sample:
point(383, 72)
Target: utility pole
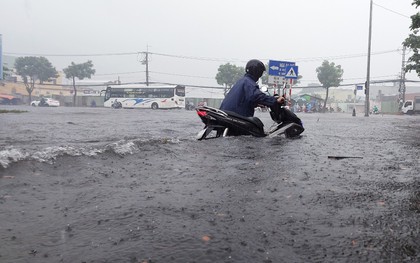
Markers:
point(401, 90)
point(147, 68)
point(146, 62)
point(368, 63)
point(354, 102)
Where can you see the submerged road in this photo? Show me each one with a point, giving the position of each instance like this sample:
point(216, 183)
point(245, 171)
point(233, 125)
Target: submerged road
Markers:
point(102, 185)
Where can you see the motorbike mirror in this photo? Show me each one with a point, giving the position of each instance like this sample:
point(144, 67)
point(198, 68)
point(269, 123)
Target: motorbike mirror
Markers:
point(264, 89)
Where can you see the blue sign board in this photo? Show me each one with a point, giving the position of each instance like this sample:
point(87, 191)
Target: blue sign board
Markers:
point(291, 72)
point(278, 68)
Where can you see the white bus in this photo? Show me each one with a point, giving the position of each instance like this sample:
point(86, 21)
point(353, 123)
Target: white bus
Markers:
point(139, 96)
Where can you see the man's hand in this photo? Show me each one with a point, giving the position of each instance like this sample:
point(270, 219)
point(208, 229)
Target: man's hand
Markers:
point(280, 100)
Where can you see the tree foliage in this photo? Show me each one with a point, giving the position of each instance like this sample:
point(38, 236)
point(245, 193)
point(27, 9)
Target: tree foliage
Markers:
point(32, 69)
point(413, 42)
point(329, 75)
point(80, 71)
point(228, 74)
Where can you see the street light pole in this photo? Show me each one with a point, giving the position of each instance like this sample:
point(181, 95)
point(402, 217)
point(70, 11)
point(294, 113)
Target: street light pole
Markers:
point(368, 63)
point(354, 101)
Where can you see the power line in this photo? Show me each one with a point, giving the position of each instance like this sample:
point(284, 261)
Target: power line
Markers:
point(120, 73)
point(181, 75)
point(307, 59)
point(208, 87)
point(392, 11)
point(362, 78)
point(203, 77)
point(200, 58)
point(73, 55)
point(344, 56)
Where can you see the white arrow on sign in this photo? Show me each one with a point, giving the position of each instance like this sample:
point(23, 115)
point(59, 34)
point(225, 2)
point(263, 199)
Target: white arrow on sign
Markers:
point(275, 68)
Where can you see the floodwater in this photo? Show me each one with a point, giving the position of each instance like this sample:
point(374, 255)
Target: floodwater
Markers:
point(105, 185)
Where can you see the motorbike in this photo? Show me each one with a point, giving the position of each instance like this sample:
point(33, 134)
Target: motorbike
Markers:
point(226, 123)
point(43, 103)
point(116, 105)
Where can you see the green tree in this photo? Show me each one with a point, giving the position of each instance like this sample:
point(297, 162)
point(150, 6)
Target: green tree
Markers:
point(32, 69)
point(413, 42)
point(228, 74)
point(329, 75)
point(80, 71)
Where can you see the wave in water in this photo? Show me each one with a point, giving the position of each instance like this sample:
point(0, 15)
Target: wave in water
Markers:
point(11, 154)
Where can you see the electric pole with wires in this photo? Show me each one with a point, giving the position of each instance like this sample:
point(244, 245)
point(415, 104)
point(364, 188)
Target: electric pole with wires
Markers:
point(401, 89)
point(145, 61)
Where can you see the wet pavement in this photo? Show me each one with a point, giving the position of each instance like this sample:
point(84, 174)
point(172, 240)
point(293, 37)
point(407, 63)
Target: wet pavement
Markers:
point(102, 185)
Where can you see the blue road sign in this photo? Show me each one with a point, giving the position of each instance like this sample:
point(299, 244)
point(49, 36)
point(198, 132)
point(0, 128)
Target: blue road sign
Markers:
point(278, 68)
point(291, 72)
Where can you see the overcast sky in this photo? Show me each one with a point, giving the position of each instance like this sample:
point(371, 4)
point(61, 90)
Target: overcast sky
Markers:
point(189, 39)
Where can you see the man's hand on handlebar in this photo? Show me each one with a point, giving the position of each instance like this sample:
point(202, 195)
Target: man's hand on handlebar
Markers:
point(280, 100)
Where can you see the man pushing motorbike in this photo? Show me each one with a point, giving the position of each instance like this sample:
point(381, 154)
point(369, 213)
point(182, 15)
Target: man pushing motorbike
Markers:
point(246, 95)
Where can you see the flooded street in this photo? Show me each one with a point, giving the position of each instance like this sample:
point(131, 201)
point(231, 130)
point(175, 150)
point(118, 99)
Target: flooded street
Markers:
point(104, 185)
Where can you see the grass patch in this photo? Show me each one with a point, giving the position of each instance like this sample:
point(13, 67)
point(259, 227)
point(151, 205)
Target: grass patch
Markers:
point(13, 111)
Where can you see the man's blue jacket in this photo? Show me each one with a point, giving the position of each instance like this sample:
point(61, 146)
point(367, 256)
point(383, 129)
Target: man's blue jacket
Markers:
point(244, 96)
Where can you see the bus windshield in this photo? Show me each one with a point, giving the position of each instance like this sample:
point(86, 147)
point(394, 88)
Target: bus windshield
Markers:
point(180, 91)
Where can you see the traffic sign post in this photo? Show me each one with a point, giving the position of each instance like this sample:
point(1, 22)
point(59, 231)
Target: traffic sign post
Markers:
point(277, 71)
point(291, 75)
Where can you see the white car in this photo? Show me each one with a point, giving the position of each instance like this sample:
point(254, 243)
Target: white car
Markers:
point(48, 102)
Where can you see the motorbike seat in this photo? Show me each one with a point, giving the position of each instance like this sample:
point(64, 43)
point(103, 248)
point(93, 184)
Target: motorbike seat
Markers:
point(256, 121)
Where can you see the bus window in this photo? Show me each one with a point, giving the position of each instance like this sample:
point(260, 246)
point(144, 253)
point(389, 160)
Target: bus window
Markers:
point(180, 91)
point(118, 93)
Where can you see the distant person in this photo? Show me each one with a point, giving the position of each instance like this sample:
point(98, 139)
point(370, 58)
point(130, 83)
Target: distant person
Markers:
point(190, 105)
point(42, 101)
point(93, 103)
point(246, 95)
point(375, 109)
point(116, 104)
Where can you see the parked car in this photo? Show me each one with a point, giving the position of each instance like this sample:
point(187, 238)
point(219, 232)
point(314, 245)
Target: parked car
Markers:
point(46, 102)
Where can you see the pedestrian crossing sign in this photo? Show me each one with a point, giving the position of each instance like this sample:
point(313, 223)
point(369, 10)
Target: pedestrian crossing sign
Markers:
point(291, 72)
